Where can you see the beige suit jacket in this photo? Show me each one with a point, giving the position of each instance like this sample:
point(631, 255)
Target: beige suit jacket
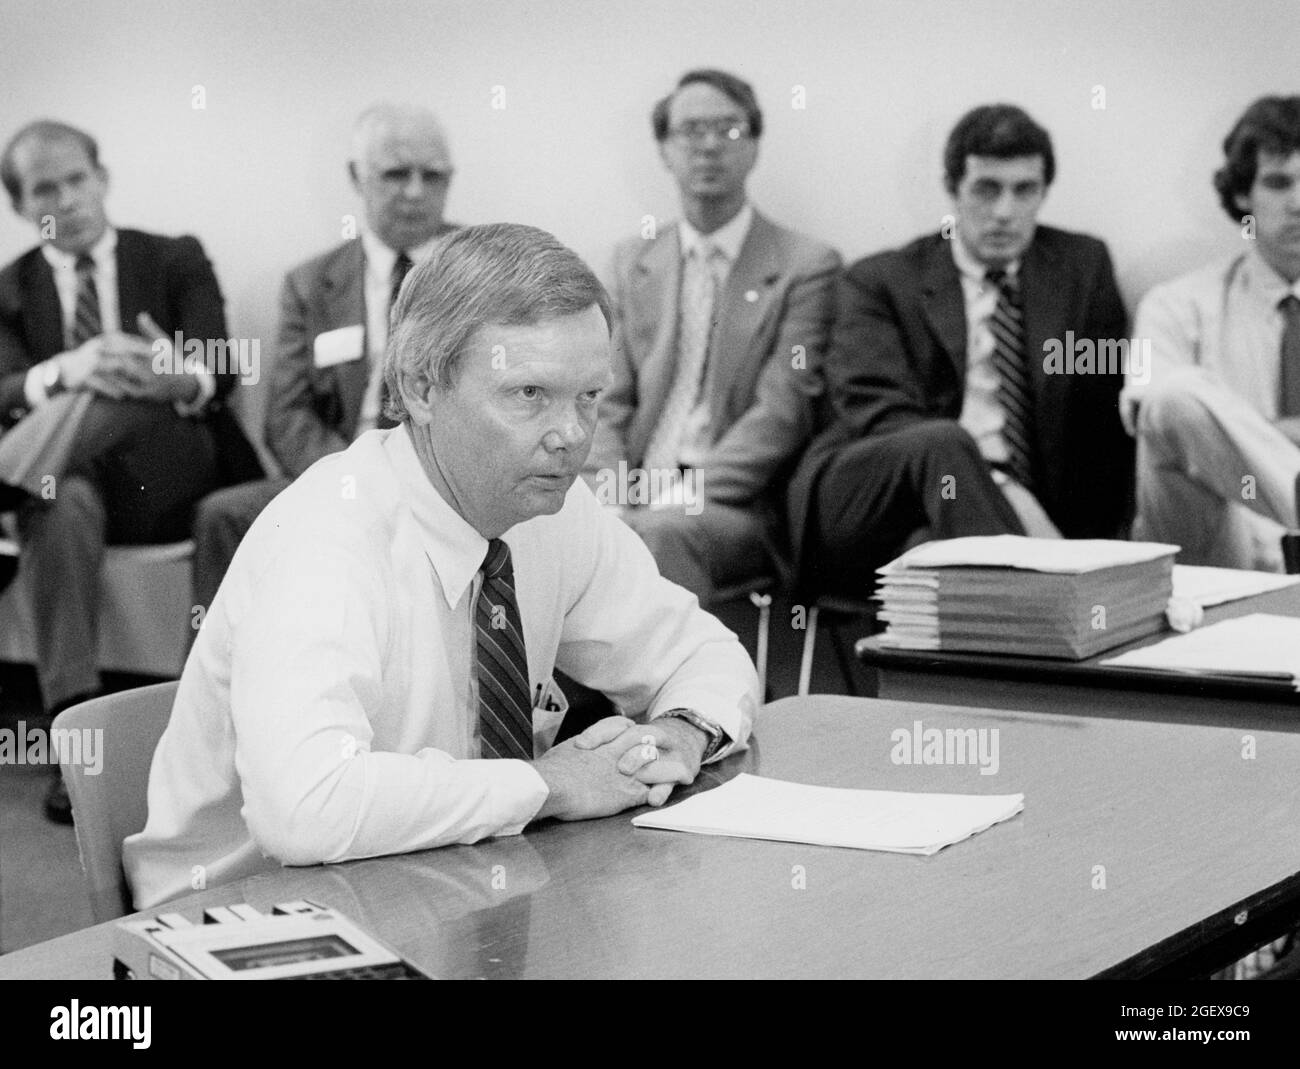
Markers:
point(764, 381)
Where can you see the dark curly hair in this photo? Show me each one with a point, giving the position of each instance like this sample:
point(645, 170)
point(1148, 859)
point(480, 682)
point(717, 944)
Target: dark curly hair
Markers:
point(1271, 124)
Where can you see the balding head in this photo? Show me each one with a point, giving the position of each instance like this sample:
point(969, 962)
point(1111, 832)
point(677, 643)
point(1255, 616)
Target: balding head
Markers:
point(401, 167)
point(55, 181)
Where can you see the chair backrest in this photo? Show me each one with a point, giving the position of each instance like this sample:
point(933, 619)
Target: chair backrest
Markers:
point(112, 803)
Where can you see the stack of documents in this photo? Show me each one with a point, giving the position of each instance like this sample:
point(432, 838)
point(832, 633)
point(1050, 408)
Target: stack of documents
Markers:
point(1257, 646)
point(1214, 586)
point(1036, 597)
point(753, 807)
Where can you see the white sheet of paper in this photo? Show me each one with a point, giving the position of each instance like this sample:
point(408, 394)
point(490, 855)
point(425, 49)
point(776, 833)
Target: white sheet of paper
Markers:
point(755, 807)
point(1215, 586)
point(1257, 645)
point(1033, 554)
point(339, 346)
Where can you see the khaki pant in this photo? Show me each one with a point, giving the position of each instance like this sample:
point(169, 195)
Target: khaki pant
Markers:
point(1213, 475)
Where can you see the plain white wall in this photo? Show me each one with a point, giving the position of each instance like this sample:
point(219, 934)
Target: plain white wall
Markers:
point(258, 174)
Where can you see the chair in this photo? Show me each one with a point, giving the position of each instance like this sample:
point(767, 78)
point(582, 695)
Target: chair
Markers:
point(144, 611)
point(840, 610)
point(112, 804)
point(837, 611)
point(759, 593)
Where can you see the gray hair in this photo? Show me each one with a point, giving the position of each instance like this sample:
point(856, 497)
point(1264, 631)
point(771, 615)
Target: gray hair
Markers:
point(388, 115)
point(501, 274)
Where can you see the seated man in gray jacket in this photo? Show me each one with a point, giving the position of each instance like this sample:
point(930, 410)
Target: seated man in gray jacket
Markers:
point(719, 325)
point(327, 376)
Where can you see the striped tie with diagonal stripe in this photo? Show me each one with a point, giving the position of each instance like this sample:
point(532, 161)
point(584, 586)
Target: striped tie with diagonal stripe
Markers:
point(85, 320)
point(1015, 393)
point(700, 284)
point(504, 705)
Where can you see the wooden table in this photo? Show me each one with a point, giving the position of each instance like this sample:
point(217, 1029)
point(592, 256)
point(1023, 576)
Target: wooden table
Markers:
point(1090, 688)
point(1143, 849)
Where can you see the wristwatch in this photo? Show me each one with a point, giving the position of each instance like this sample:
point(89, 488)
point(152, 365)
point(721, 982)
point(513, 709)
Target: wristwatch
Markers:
point(52, 378)
point(717, 737)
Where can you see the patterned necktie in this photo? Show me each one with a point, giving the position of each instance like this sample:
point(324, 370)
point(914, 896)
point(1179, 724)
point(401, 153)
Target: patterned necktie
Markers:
point(505, 716)
point(401, 267)
point(85, 319)
point(695, 325)
point(1014, 392)
point(1289, 401)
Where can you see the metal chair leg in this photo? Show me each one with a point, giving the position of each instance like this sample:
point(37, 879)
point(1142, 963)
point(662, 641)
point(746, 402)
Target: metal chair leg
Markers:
point(809, 646)
point(763, 602)
point(844, 656)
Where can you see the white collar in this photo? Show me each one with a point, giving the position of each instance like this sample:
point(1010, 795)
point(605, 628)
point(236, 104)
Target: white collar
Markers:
point(1260, 275)
point(454, 548)
point(727, 239)
point(972, 268)
point(102, 252)
point(383, 257)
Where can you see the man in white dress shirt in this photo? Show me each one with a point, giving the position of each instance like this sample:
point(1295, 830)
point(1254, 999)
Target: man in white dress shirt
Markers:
point(1217, 420)
point(375, 675)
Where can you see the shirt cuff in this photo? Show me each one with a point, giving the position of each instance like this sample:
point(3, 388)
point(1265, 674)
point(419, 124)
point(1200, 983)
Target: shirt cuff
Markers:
point(523, 793)
point(207, 391)
point(34, 386)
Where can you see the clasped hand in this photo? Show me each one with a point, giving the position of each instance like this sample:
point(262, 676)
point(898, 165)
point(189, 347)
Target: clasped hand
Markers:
point(617, 764)
point(119, 365)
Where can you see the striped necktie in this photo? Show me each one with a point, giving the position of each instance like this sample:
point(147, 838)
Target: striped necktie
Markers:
point(1015, 394)
point(85, 320)
point(695, 325)
point(1289, 401)
point(401, 268)
point(504, 706)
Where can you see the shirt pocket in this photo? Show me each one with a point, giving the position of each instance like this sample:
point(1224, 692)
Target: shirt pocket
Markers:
point(549, 707)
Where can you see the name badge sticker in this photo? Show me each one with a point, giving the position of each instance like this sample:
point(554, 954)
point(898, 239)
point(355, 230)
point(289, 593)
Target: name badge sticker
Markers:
point(339, 346)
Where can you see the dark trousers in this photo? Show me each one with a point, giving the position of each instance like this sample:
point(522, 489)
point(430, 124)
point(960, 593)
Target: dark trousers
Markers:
point(880, 491)
point(132, 479)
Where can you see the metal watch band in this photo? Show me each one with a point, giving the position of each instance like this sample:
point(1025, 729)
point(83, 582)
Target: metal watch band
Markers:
point(717, 737)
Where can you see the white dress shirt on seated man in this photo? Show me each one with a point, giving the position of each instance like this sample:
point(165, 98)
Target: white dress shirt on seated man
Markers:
point(328, 709)
point(1216, 463)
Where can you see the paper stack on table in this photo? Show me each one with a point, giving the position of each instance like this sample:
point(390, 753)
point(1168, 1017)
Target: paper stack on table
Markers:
point(1258, 645)
point(1216, 586)
point(754, 807)
point(1036, 597)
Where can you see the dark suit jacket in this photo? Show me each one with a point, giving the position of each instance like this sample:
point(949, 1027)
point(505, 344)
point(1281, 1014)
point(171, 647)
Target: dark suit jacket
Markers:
point(898, 356)
point(171, 279)
point(774, 314)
